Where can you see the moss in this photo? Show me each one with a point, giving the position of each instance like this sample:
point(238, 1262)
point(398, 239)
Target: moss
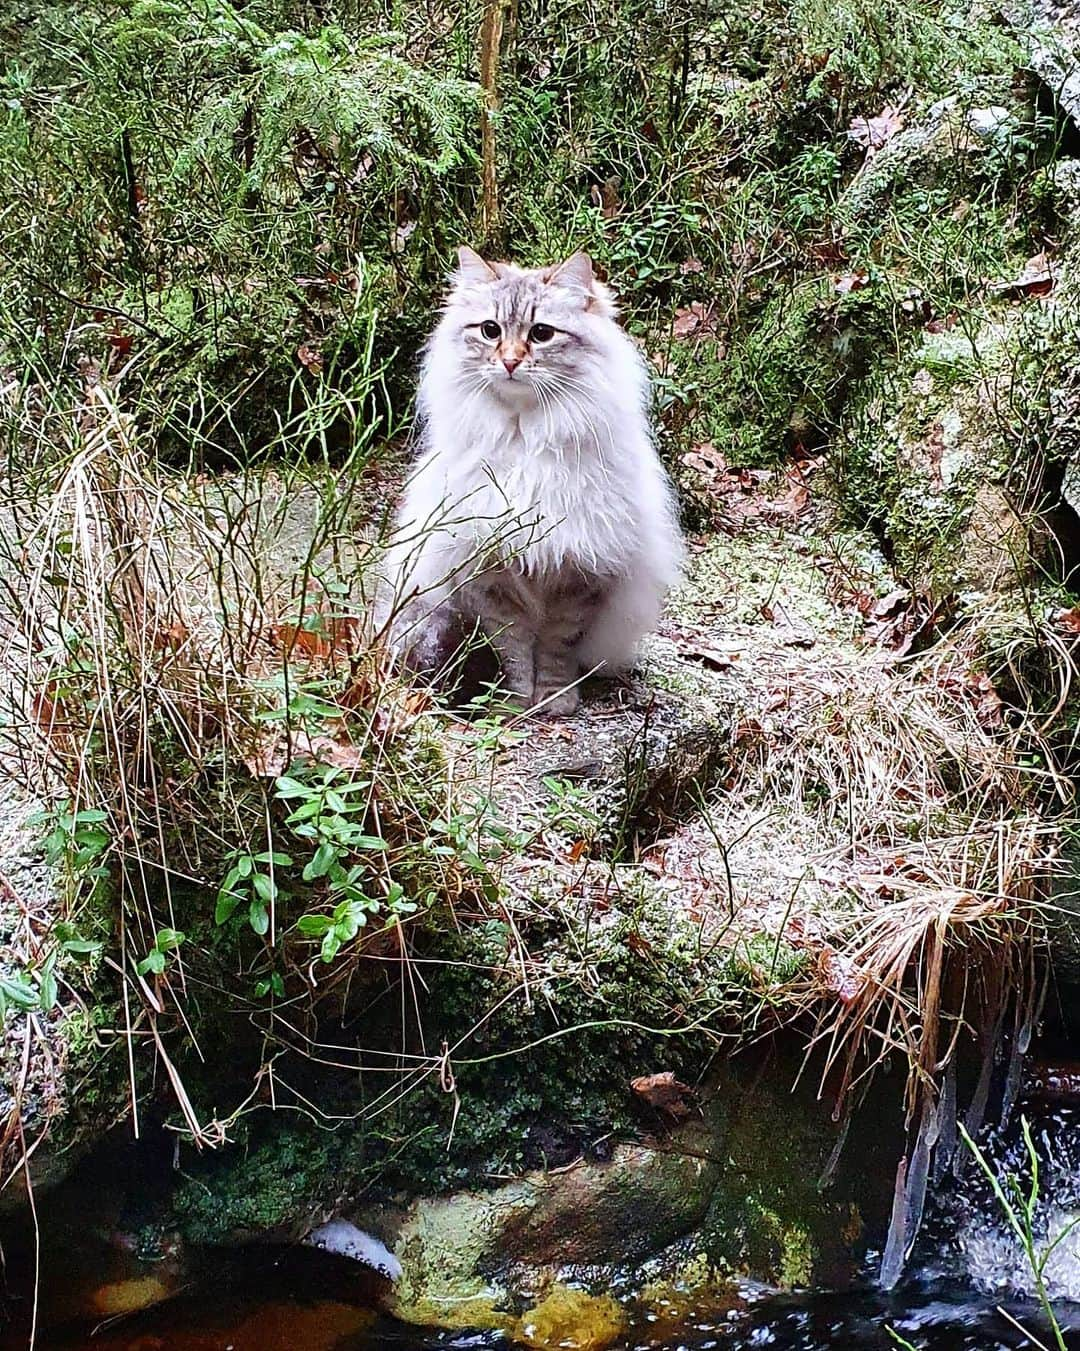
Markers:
point(925, 454)
point(574, 1319)
point(769, 1217)
point(267, 1183)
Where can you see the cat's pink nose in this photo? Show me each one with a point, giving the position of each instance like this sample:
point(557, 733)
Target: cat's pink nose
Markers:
point(511, 364)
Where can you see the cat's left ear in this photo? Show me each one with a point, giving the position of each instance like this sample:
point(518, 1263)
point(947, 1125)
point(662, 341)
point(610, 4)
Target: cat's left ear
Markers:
point(577, 274)
point(576, 271)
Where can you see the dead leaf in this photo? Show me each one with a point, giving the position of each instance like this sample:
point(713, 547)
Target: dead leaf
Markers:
point(872, 133)
point(690, 266)
point(665, 1093)
point(846, 282)
point(791, 629)
point(576, 850)
point(271, 757)
point(1036, 279)
point(839, 974)
point(891, 605)
point(692, 320)
point(173, 638)
point(640, 947)
point(605, 196)
point(828, 253)
point(318, 635)
point(120, 342)
point(715, 658)
point(310, 357)
point(49, 712)
point(1069, 619)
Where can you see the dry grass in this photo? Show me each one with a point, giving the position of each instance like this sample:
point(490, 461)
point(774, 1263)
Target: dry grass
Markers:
point(159, 639)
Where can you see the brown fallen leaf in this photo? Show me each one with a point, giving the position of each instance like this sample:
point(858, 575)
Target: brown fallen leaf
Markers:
point(715, 658)
point(576, 850)
point(1036, 279)
point(846, 282)
point(791, 629)
point(691, 265)
point(310, 357)
point(872, 133)
point(1069, 619)
point(49, 712)
point(889, 606)
point(692, 319)
point(665, 1093)
point(605, 196)
point(839, 974)
point(173, 638)
point(318, 635)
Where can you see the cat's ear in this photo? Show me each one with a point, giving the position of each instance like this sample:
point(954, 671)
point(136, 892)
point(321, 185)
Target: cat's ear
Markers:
point(577, 271)
point(471, 268)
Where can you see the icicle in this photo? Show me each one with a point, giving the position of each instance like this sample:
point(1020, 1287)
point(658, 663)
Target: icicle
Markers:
point(976, 1112)
point(909, 1198)
point(948, 1135)
point(892, 1260)
point(919, 1170)
point(829, 1171)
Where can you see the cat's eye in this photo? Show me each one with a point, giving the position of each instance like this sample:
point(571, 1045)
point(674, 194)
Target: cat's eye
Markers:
point(541, 333)
point(491, 330)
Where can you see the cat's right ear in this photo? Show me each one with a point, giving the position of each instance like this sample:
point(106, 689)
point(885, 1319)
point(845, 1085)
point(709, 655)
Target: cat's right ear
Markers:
point(472, 269)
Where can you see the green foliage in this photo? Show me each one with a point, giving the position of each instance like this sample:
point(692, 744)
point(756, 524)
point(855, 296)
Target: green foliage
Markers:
point(74, 839)
point(226, 188)
point(166, 942)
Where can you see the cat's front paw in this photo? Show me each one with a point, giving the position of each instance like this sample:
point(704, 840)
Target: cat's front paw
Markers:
point(556, 702)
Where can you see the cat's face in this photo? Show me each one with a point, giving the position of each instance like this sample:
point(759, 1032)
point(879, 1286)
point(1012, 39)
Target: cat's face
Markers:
point(525, 334)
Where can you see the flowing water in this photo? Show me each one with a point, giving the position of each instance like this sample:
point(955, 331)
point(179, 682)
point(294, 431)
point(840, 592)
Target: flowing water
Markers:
point(968, 1285)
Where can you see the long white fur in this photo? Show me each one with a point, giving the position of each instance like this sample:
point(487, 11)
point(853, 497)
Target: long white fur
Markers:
point(553, 471)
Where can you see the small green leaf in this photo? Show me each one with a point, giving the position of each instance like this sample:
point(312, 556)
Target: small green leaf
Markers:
point(168, 940)
point(231, 878)
point(321, 862)
point(265, 889)
point(154, 961)
point(331, 945)
point(368, 842)
point(96, 839)
point(48, 990)
point(286, 788)
point(259, 917)
point(227, 902)
point(305, 812)
point(278, 860)
point(314, 926)
point(19, 993)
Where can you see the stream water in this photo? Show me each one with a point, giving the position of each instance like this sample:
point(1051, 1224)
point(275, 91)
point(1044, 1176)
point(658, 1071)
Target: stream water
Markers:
point(968, 1285)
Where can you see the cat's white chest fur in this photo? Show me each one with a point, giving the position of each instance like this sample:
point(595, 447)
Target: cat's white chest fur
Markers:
point(542, 493)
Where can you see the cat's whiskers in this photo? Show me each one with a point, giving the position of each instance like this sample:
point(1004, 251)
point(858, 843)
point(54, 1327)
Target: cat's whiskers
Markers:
point(557, 386)
point(588, 413)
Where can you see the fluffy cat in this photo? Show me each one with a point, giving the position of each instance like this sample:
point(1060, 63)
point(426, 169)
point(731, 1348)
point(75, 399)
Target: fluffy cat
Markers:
point(538, 511)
